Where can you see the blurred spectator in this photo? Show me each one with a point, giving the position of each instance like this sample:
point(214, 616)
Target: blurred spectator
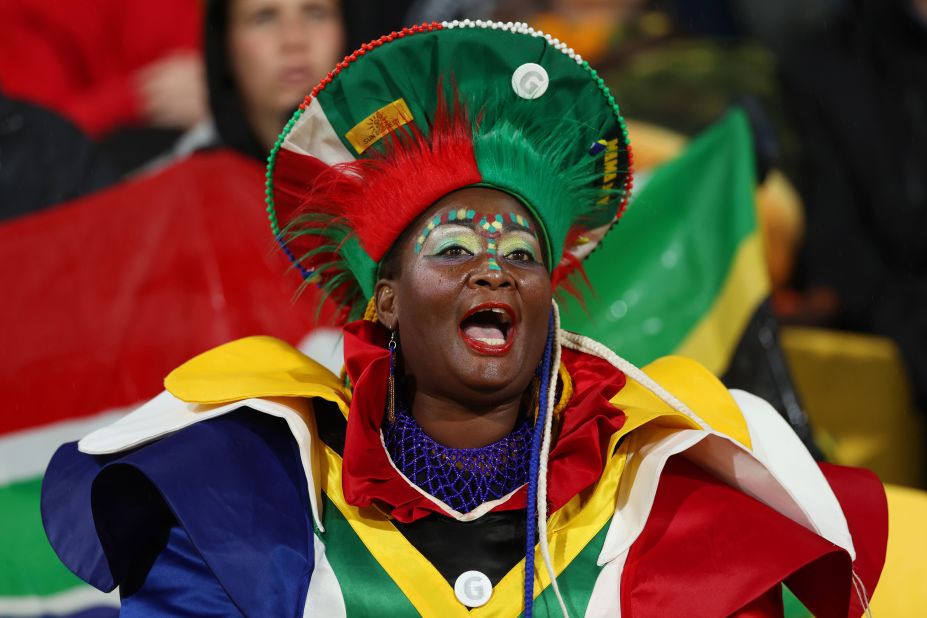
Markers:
point(264, 56)
point(858, 91)
point(105, 64)
point(44, 159)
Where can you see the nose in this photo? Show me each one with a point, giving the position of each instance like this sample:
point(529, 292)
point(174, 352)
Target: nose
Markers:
point(293, 35)
point(490, 275)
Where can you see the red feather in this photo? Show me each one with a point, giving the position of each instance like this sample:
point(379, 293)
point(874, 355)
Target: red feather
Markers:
point(375, 196)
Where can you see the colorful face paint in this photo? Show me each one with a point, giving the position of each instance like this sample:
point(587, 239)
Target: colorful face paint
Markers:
point(519, 245)
point(448, 236)
point(492, 264)
point(518, 220)
point(460, 215)
point(491, 228)
point(451, 230)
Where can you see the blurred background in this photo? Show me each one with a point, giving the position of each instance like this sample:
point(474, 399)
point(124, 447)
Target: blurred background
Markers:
point(781, 165)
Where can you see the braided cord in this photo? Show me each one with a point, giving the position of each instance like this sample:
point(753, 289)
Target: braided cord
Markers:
point(533, 470)
point(861, 593)
point(544, 458)
point(580, 343)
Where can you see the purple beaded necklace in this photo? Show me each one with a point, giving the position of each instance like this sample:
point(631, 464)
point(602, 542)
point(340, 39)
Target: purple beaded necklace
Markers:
point(462, 478)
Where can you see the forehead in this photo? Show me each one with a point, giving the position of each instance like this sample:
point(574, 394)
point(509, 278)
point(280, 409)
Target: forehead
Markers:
point(480, 200)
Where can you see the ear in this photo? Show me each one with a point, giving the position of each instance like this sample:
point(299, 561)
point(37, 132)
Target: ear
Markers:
point(387, 303)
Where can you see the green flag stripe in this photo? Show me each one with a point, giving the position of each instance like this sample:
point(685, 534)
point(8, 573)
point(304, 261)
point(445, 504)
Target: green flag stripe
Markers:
point(792, 607)
point(576, 581)
point(657, 275)
point(715, 337)
point(370, 590)
point(28, 565)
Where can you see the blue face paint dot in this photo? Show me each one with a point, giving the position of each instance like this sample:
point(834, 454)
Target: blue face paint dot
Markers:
point(452, 216)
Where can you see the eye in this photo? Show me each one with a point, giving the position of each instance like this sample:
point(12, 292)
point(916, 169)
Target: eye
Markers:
point(450, 241)
point(520, 255)
point(264, 15)
point(454, 251)
point(317, 12)
point(518, 246)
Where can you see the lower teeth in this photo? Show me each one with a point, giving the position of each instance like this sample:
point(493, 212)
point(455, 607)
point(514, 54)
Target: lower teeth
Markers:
point(492, 341)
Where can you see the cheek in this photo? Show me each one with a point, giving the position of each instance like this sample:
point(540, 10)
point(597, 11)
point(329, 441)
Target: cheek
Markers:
point(536, 293)
point(537, 298)
point(253, 56)
point(326, 47)
point(427, 296)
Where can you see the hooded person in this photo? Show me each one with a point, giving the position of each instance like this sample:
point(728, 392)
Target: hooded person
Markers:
point(261, 57)
point(439, 184)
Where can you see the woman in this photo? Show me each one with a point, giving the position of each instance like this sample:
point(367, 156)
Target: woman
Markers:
point(261, 55)
point(439, 184)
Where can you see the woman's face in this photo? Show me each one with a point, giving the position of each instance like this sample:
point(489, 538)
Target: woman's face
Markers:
point(279, 49)
point(471, 299)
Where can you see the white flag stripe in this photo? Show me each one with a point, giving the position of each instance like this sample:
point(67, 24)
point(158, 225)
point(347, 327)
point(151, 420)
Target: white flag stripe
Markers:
point(325, 346)
point(313, 134)
point(63, 603)
point(25, 454)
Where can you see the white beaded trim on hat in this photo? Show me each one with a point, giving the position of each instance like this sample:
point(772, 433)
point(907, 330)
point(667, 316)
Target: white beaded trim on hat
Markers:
point(518, 27)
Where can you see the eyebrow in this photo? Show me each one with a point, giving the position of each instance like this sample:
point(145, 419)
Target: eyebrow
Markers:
point(505, 223)
point(517, 220)
point(514, 227)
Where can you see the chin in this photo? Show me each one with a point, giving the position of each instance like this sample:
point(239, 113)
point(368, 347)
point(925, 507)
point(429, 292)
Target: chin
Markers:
point(289, 99)
point(492, 380)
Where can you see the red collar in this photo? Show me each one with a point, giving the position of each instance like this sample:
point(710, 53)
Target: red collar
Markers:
point(576, 460)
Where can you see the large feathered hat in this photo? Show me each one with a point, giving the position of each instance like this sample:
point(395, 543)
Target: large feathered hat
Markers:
point(417, 114)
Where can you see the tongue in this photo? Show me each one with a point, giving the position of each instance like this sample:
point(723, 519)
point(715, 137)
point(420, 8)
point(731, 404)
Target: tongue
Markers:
point(482, 331)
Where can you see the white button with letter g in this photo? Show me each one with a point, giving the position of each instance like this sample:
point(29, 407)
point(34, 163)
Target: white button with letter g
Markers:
point(473, 589)
point(530, 80)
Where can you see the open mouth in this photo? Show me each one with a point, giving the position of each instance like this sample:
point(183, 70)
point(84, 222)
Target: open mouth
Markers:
point(489, 328)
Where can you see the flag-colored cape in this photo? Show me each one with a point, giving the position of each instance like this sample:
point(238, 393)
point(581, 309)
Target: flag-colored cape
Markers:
point(248, 486)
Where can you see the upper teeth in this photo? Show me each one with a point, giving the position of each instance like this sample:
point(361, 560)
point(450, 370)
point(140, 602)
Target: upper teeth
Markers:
point(500, 312)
